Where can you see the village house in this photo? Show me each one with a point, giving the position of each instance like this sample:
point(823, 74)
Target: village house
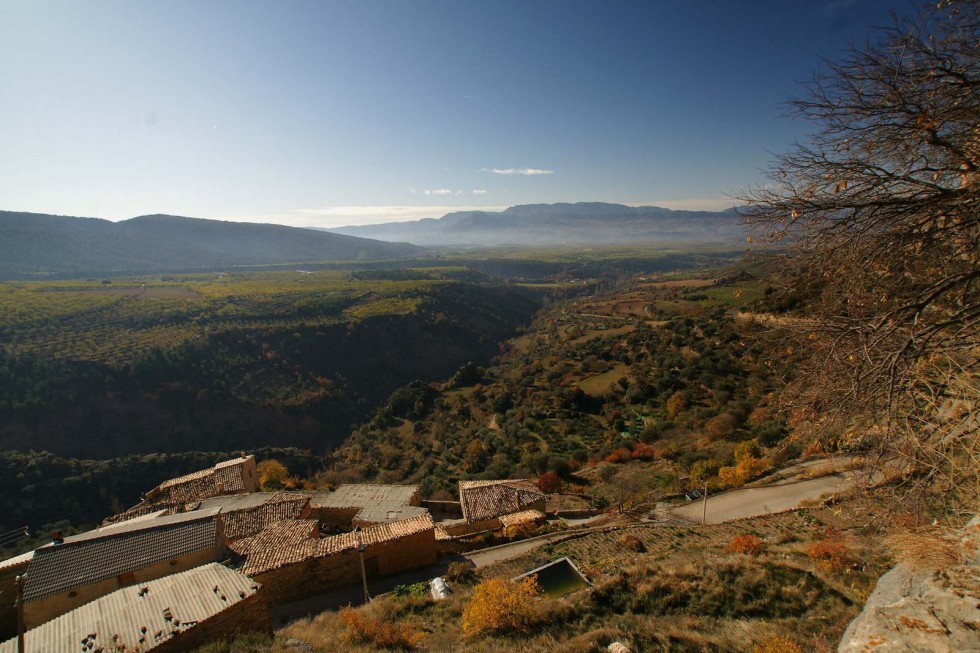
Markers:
point(291, 560)
point(244, 515)
point(236, 476)
point(175, 613)
point(486, 505)
point(69, 573)
point(366, 505)
point(278, 538)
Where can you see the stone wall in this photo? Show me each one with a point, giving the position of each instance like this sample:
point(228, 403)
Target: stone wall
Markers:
point(335, 520)
point(443, 509)
point(462, 528)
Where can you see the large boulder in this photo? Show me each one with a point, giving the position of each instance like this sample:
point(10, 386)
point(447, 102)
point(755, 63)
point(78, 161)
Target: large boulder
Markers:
point(928, 610)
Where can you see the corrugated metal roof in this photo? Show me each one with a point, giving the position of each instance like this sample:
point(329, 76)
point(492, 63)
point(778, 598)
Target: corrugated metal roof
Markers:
point(235, 501)
point(104, 553)
point(377, 503)
point(140, 613)
point(134, 525)
point(482, 500)
point(366, 495)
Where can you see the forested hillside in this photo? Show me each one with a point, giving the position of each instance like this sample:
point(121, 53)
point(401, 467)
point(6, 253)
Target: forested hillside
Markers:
point(658, 370)
point(227, 363)
point(34, 245)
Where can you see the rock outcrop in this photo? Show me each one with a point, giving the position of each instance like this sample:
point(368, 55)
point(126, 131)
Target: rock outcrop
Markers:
point(915, 609)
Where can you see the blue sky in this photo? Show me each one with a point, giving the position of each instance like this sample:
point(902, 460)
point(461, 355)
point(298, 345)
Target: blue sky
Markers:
point(329, 113)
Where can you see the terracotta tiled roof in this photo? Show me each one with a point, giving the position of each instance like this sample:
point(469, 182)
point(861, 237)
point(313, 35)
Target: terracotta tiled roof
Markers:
point(141, 617)
point(442, 534)
point(17, 561)
point(523, 517)
point(277, 535)
point(114, 550)
point(226, 477)
point(482, 500)
point(249, 521)
point(277, 554)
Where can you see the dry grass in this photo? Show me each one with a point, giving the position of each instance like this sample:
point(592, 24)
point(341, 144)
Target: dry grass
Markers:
point(926, 548)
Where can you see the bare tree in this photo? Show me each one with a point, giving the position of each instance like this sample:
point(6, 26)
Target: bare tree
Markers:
point(881, 216)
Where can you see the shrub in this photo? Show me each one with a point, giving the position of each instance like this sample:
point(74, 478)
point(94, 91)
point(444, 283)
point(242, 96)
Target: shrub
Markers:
point(633, 543)
point(500, 605)
point(676, 404)
point(702, 470)
point(642, 451)
point(272, 474)
point(418, 590)
point(620, 455)
point(460, 572)
point(721, 426)
point(831, 552)
point(549, 483)
point(747, 544)
point(362, 629)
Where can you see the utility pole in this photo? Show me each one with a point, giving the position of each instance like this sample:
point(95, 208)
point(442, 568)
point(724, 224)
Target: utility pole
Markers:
point(21, 579)
point(360, 552)
point(704, 504)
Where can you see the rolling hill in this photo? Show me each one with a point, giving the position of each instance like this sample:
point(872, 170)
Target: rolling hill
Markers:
point(34, 245)
point(558, 224)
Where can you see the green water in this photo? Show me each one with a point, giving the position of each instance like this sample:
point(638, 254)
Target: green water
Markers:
point(559, 579)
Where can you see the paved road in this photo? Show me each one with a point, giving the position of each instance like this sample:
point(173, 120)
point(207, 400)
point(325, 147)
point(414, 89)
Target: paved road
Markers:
point(756, 501)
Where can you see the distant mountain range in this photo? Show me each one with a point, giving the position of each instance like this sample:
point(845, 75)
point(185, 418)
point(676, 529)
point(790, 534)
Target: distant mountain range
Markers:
point(36, 245)
point(555, 224)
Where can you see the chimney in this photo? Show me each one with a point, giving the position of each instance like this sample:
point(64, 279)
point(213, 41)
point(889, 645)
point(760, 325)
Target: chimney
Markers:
point(56, 537)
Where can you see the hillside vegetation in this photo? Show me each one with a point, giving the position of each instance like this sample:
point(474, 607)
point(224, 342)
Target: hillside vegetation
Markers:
point(660, 370)
point(34, 245)
point(223, 362)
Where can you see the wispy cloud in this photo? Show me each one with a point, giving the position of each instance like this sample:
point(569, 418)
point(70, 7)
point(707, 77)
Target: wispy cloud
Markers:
point(439, 191)
point(521, 171)
point(479, 191)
